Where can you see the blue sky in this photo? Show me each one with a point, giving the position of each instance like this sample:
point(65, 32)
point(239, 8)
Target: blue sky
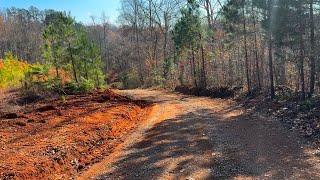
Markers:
point(80, 9)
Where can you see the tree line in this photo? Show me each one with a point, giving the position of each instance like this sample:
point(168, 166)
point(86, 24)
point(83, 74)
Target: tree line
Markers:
point(260, 45)
point(49, 41)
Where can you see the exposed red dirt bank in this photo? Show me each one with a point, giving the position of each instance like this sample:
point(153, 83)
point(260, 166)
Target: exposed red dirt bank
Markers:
point(61, 139)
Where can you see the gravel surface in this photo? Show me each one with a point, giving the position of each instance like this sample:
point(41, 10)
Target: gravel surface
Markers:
point(200, 138)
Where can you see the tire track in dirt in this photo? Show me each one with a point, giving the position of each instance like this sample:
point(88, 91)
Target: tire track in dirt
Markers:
point(199, 138)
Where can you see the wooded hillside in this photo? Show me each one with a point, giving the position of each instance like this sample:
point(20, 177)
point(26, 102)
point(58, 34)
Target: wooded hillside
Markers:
point(258, 45)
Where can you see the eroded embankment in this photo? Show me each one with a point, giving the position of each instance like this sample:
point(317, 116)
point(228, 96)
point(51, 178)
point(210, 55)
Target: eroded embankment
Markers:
point(58, 138)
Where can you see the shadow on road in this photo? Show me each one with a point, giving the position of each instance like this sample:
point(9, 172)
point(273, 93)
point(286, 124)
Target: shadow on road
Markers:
point(202, 144)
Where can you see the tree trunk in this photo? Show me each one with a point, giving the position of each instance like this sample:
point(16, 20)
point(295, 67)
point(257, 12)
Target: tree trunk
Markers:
point(86, 69)
point(105, 47)
point(272, 90)
point(55, 64)
point(256, 51)
point(166, 29)
point(246, 50)
point(203, 71)
point(138, 56)
point(73, 64)
point(194, 68)
point(312, 52)
point(301, 58)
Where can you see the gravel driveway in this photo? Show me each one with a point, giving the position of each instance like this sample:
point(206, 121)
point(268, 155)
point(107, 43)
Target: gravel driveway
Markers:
point(200, 138)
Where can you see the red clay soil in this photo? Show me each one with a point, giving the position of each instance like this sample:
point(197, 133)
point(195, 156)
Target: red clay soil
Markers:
point(57, 139)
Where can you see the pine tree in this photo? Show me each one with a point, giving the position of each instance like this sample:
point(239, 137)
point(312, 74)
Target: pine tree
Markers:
point(188, 36)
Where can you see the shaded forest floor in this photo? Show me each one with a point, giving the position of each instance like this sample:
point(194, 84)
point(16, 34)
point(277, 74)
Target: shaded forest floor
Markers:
point(57, 138)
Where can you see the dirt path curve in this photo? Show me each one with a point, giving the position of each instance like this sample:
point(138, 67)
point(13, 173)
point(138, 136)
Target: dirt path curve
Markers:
point(199, 138)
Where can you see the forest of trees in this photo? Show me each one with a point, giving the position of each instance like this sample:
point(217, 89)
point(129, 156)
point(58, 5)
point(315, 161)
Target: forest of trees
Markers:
point(54, 48)
point(260, 45)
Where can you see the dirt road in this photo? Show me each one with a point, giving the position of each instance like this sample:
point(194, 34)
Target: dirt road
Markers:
point(199, 138)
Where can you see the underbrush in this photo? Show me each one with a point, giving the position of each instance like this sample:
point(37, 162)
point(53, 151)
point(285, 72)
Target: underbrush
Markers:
point(130, 79)
point(39, 91)
point(302, 116)
point(12, 71)
point(37, 81)
point(40, 81)
point(214, 92)
point(84, 86)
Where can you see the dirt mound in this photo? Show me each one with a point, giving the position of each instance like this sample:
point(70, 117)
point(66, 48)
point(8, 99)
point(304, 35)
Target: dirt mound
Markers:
point(215, 92)
point(58, 138)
